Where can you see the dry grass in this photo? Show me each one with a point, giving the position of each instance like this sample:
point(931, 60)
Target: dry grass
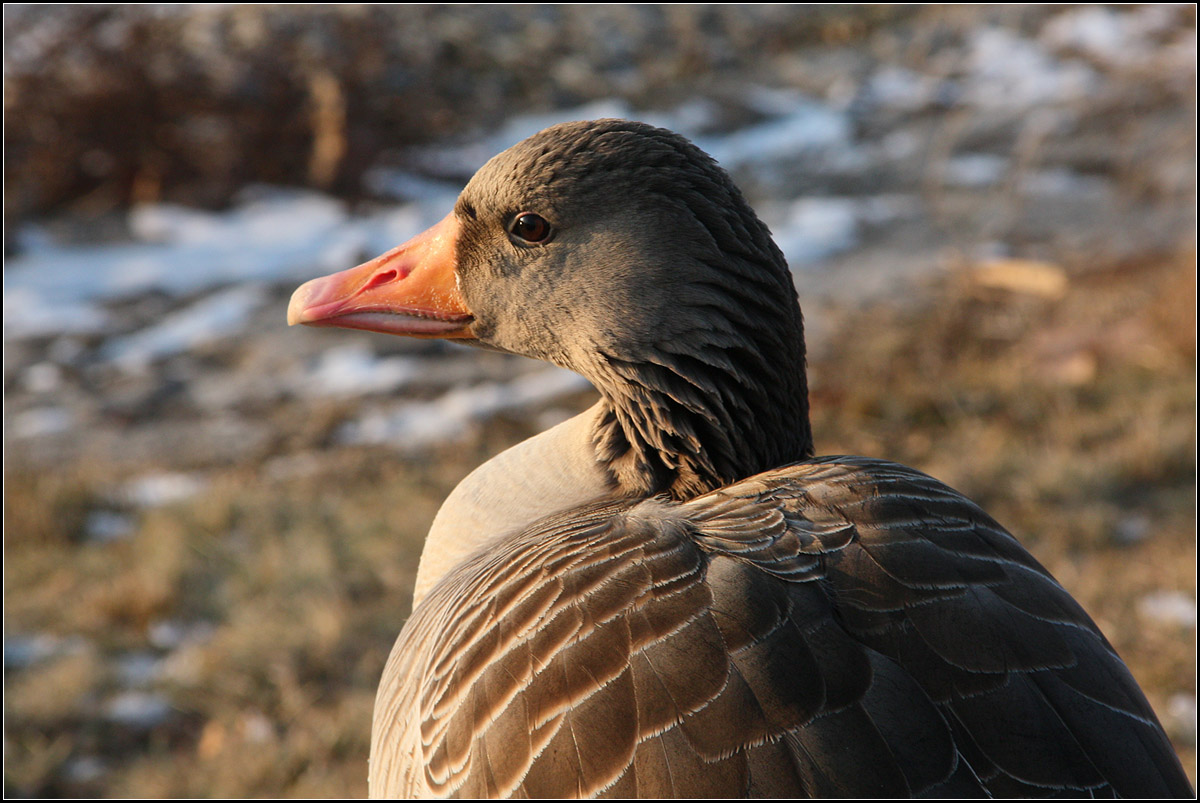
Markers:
point(1071, 420)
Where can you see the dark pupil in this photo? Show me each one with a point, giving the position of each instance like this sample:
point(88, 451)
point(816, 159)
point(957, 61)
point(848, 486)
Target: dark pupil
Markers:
point(531, 227)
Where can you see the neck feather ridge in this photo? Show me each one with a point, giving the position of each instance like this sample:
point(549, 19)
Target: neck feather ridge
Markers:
point(687, 424)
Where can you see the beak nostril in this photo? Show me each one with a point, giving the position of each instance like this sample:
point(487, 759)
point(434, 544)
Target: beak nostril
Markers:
point(383, 277)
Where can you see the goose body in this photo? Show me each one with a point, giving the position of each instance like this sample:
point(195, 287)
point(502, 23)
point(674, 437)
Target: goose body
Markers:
point(669, 595)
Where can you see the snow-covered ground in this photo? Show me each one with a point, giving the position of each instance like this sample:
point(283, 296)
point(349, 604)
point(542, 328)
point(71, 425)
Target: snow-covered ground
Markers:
point(857, 207)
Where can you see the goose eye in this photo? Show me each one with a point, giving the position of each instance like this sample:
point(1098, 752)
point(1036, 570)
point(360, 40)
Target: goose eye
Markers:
point(531, 228)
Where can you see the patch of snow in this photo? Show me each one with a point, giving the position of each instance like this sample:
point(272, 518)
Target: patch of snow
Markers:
point(416, 425)
point(219, 315)
point(354, 370)
point(1181, 709)
point(1061, 181)
point(138, 710)
point(138, 668)
point(41, 421)
point(270, 236)
point(84, 769)
point(459, 161)
point(526, 125)
point(170, 223)
point(879, 209)
point(1132, 529)
point(1094, 30)
point(1169, 608)
point(257, 728)
point(1007, 71)
point(975, 170)
point(395, 183)
point(810, 230)
point(30, 313)
point(798, 123)
point(691, 116)
point(22, 651)
point(106, 526)
point(809, 125)
point(42, 377)
point(896, 87)
point(1115, 37)
point(171, 634)
point(155, 490)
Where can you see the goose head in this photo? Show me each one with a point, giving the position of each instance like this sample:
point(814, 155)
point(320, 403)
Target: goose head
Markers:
point(625, 253)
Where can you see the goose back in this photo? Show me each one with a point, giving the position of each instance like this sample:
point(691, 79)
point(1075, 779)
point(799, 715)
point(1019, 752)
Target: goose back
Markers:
point(843, 627)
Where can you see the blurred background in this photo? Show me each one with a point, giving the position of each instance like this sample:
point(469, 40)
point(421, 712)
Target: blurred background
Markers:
point(212, 522)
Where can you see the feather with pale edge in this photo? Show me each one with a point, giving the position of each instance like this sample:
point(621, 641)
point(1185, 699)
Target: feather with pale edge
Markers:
point(840, 627)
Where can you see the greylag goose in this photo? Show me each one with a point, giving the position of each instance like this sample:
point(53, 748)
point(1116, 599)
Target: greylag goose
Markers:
point(669, 595)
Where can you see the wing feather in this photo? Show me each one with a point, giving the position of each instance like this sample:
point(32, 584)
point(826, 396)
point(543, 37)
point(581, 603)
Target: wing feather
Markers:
point(842, 627)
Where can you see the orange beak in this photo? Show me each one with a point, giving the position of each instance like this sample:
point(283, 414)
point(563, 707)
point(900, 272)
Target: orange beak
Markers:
point(410, 290)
